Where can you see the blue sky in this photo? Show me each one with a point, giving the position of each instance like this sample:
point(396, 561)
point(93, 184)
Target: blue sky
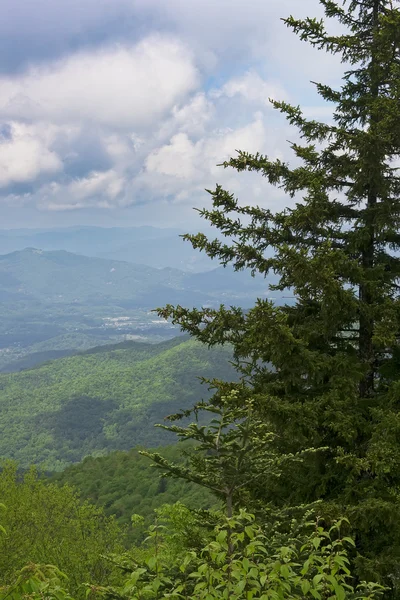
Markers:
point(116, 112)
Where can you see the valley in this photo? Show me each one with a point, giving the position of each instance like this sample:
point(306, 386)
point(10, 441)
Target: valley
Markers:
point(57, 302)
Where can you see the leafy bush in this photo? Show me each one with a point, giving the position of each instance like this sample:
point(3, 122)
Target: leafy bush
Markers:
point(242, 562)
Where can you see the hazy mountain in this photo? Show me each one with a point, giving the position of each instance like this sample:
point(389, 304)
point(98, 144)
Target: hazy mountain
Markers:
point(151, 246)
point(62, 277)
point(57, 300)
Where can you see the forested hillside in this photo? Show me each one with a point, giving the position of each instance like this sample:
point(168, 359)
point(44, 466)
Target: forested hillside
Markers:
point(126, 483)
point(102, 400)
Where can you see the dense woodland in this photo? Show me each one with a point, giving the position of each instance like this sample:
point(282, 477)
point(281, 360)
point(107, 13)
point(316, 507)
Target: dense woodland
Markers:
point(297, 450)
point(125, 483)
point(108, 398)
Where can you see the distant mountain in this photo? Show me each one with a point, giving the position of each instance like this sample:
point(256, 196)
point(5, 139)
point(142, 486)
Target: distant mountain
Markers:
point(60, 277)
point(150, 246)
point(63, 277)
point(57, 300)
point(102, 400)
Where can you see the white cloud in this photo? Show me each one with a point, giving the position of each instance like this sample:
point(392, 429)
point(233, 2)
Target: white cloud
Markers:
point(224, 26)
point(108, 183)
point(117, 87)
point(24, 156)
point(194, 116)
point(176, 159)
point(144, 123)
point(183, 165)
point(252, 88)
point(99, 190)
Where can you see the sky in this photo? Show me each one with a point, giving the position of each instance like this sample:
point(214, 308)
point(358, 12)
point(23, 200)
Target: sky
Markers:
point(117, 112)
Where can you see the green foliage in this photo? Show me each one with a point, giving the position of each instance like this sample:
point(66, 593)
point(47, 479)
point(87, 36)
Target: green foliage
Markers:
point(241, 562)
point(48, 524)
point(37, 582)
point(233, 452)
point(125, 483)
point(103, 400)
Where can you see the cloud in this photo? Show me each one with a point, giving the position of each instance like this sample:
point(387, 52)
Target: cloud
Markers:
point(105, 168)
point(177, 159)
point(98, 189)
point(227, 30)
point(116, 87)
point(177, 171)
point(126, 106)
point(194, 116)
point(184, 159)
point(24, 156)
point(223, 31)
point(251, 87)
point(86, 152)
point(184, 166)
point(43, 30)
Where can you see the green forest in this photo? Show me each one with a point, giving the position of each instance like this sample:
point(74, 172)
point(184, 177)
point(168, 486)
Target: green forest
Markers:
point(126, 483)
point(285, 477)
point(108, 398)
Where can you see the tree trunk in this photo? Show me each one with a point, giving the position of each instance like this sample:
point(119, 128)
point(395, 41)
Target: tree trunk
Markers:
point(366, 348)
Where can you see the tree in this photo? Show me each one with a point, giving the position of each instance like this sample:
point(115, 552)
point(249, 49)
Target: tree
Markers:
point(45, 523)
point(231, 451)
point(313, 565)
point(334, 381)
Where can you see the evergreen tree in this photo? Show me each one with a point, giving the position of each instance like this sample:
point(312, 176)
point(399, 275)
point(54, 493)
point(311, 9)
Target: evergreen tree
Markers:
point(334, 380)
point(233, 452)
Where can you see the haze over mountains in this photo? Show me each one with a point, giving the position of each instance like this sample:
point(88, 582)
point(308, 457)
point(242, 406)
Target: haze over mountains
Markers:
point(60, 277)
point(54, 301)
point(151, 246)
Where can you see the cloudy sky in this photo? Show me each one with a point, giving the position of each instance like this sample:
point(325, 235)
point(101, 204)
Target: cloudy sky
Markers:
point(116, 112)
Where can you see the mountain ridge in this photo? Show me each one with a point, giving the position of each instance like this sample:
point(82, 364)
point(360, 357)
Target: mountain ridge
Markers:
point(27, 268)
point(92, 403)
point(49, 296)
point(156, 247)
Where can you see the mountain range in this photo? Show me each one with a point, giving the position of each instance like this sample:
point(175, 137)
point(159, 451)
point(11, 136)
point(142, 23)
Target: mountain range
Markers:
point(60, 277)
point(151, 246)
point(60, 301)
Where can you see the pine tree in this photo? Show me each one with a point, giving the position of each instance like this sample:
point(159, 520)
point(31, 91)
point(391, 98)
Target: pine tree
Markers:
point(334, 381)
point(233, 450)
